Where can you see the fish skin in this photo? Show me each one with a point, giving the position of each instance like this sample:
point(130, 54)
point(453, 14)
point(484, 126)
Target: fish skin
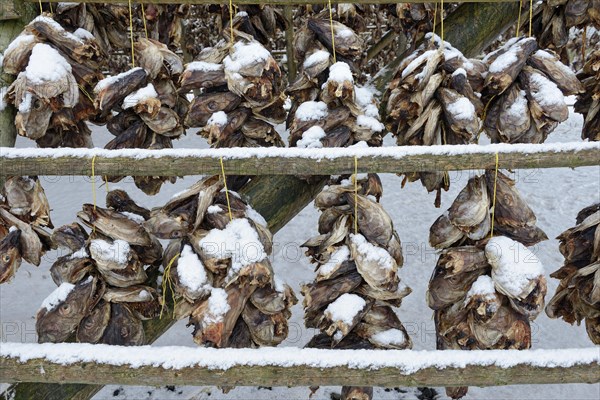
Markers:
point(92, 327)
point(114, 225)
point(10, 255)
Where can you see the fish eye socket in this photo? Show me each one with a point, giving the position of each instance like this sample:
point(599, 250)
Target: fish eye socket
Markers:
point(6, 258)
point(212, 105)
point(176, 235)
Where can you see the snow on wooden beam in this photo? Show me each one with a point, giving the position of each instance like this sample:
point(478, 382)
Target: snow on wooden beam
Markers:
point(262, 2)
point(103, 364)
point(294, 161)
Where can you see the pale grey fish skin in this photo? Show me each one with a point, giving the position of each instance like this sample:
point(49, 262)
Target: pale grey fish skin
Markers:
point(58, 324)
point(472, 204)
point(70, 270)
point(373, 221)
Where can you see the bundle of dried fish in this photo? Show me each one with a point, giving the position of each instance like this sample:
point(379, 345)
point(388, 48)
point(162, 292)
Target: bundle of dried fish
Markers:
point(240, 97)
point(219, 269)
point(484, 292)
point(432, 100)
point(328, 108)
point(24, 213)
point(588, 102)
point(577, 297)
point(143, 105)
point(105, 289)
point(557, 17)
point(357, 285)
point(525, 91)
point(56, 70)
point(164, 23)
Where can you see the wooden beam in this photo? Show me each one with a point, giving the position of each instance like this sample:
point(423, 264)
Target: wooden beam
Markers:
point(263, 2)
point(291, 161)
point(157, 366)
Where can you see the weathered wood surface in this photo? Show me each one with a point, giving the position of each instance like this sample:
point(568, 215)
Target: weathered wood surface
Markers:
point(286, 161)
point(14, 15)
point(264, 2)
point(297, 367)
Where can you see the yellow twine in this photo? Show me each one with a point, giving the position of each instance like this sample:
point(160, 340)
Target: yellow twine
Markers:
point(434, 22)
point(530, 16)
point(519, 20)
point(332, 34)
point(167, 280)
point(41, 9)
point(226, 190)
point(85, 93)
point(106, 184)
point(355, 195)
point(231, 20)
point(94, 181)
point(144, 19)
point(131, 35)
point(442, 22)
point(494, 198)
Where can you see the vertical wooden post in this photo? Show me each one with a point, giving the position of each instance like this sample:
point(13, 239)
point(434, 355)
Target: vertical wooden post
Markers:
point(289, 42)
point(14, 15)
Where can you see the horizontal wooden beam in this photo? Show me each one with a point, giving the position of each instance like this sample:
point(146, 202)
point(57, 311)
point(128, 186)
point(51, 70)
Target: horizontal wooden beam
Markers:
point(288, 366)
point(293, 161)
point(263, 2)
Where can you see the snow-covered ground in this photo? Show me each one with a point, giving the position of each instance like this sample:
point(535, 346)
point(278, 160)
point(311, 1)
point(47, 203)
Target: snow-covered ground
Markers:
point(555, 195)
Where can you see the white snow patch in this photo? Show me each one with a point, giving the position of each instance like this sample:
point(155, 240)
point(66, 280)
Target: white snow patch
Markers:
point(139, 96)
point(3, 91)
point(20, 41)
point(483, 286)
point(117, 252)
point(372, 252)
point(317, 57)
point(219, 118)
point(340, 255)
point(239, 242)
point(340, 72)
point(345, 308)
point(57, 296)
point(311, 110)
point(514, 266)
point(25, 105)
point(390, 337)
point(81, 253)
point(214, 209)
point(217, 306)
point(190, 270)
point(82, 34)
point(256, 216)
point(46, 65)
point(370, 123)
point(311, 138)
point(203, 66)
point(245, 54)
point(133, 216)
point(545, 92)
point(462, 109)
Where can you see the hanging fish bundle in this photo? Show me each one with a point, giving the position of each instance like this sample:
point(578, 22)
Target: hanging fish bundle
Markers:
point(240, 97)
point(164, 23)
point(24, 215)
point(577, 297)
point(588, 102)
point(557, 17)
point(143, 106)
point(56, 70)
point(485, 292)
point(104, 288)
point(525, 91)
point(433, 100)
point(328, 108)
point(357, 284)
point(218, 270)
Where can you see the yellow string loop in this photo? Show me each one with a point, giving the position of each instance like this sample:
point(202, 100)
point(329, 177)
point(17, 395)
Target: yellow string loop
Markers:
point(85, 93)
point(106, 184)
point(226, 190)
point(168, 281)
point(530, 17)
point(41, 9)
point(131, 36)
point(494, 196)
point(231, 21)
point(355, 195)
point(332, 33)
point(94, 181)
point(519, 20)
point(144, 19)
